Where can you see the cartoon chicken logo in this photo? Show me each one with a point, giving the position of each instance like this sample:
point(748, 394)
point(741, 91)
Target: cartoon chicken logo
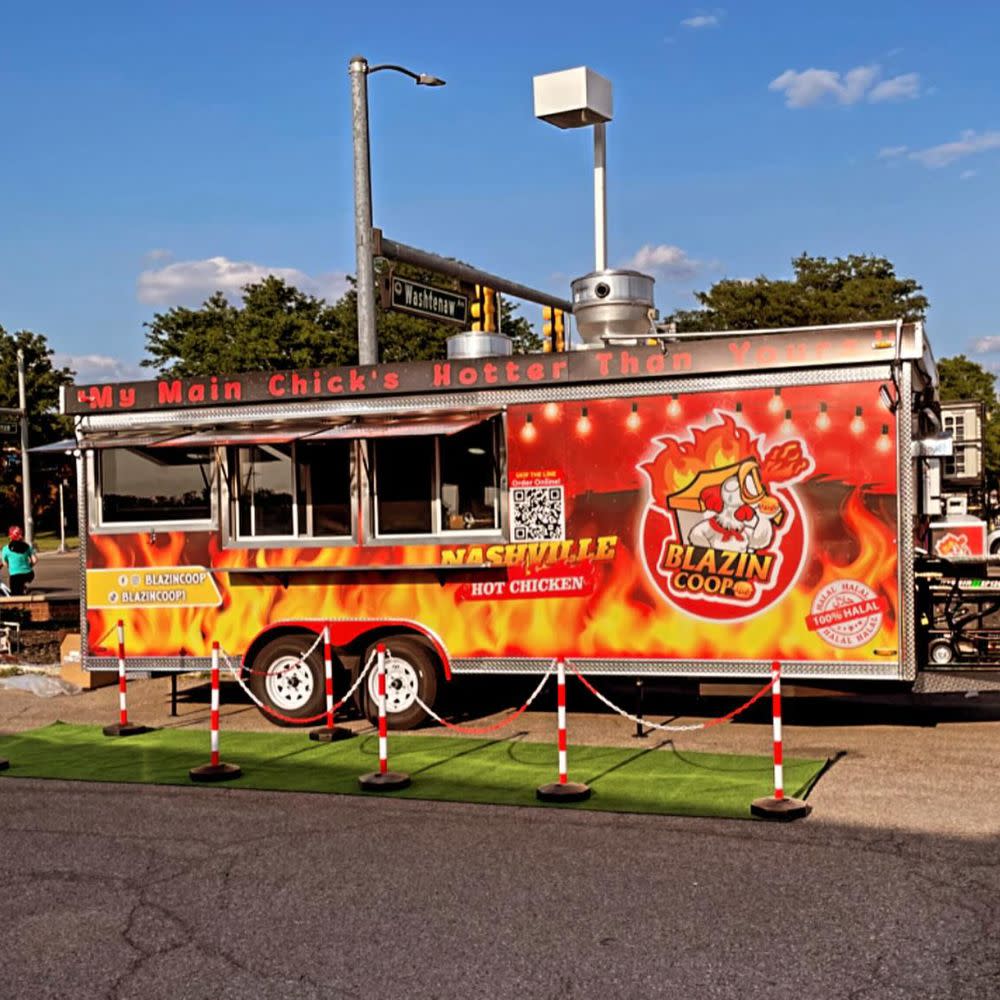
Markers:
point(723, 531)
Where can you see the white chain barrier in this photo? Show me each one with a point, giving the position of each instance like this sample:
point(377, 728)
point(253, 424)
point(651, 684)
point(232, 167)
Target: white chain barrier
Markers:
point(236, 672)
point(664, 728)
point(482, 730)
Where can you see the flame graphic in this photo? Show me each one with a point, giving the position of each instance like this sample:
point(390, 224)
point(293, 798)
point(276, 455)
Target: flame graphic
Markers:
point(624, 617)
point(679, 462)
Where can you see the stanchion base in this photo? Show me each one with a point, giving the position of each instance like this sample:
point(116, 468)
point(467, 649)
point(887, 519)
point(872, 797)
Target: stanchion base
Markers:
point(391, 781)
point(571, 791)
point(128, 729)
point(328, 735)
point(215, 772)
point(4, 763)
point(781, 810)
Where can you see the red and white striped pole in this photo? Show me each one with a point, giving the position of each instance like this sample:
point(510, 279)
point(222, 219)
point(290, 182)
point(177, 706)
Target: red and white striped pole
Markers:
point(329, 733)
point(123, 727)
point(122, 684)
point(779, 775)
point(383, 722)
point(214, 718)
point(214, 770)
point(383, 779)
point(562, 790)
point(777, 806)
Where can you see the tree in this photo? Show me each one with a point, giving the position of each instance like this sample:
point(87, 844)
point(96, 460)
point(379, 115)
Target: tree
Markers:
point(279, 327)
point(43, 381)
point(844, 290)
point(964, 379)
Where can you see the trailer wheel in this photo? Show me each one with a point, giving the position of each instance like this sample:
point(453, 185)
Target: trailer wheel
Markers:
point(287, 683)
point(410, 672)
point(941, 652)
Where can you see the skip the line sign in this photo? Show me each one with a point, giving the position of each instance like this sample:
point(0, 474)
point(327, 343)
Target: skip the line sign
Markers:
point(426, 301)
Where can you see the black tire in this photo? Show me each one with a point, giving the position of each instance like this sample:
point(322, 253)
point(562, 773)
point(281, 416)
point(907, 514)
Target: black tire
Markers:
point(410, 663)
point(297, 693)
point(940, 653)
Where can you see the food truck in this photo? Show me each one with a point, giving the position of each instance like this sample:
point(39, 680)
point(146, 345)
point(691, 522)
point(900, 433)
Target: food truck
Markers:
point(695, 507)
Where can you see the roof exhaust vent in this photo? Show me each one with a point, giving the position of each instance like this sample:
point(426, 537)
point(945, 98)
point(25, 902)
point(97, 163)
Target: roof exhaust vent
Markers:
point(477, 344)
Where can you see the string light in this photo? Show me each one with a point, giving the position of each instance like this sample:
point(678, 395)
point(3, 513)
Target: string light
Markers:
point(786, 425)
point(823, 420)
point(775, 404)
point(673, 407)
point(633, 420)
point(857, 424)
point(583, 425)
point(551, 411)
point(529, 431)
point(883, 443)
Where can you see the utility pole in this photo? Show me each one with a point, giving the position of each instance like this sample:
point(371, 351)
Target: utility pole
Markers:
point(365, 288)
point(22, 396)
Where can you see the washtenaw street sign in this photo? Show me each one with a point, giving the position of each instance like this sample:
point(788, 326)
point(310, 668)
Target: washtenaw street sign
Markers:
point(427, 302)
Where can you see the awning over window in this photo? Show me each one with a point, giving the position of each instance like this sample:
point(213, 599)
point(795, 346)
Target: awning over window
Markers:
point(222, 436)
point(413, 427)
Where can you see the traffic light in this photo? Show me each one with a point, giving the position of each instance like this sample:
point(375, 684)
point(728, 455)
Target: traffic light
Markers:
point(483, 308)
point(553, 329)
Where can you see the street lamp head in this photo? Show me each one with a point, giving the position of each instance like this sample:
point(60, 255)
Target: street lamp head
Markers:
point(426, 80)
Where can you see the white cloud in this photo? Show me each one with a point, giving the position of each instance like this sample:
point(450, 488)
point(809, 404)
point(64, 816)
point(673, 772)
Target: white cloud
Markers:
point(986, 345)
point(890, 152)
point(904, 87)
point(97, 367)
point(188, 282)
point(811, 86)
point(701, 21)
point(966, 174)
point(668, 261)
point(156, 255)
point(968, 144)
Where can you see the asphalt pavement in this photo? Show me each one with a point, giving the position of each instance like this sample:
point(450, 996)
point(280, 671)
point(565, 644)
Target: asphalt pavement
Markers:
point(889, 890)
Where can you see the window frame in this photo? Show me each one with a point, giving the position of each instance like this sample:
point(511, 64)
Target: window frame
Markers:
point(232, 539)
point(437, 535)
point(95, 500)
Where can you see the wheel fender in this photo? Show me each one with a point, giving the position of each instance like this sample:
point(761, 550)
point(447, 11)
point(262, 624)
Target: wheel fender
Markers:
point(345, 632)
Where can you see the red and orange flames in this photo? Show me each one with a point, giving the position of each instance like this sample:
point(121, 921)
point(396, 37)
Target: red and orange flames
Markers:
point(625, 617)
point(679, 462)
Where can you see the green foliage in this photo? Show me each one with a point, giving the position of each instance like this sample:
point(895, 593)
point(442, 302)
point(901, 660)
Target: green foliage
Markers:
point(965, 379)
point(42, 383)
point(844, 290)
point(279, 327)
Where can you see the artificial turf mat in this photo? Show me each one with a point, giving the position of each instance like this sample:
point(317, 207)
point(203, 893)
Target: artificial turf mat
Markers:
point(502, 772)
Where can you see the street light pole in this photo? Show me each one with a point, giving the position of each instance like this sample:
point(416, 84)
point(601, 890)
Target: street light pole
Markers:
point(359, 70)
point(365, 288)
point(22, 399)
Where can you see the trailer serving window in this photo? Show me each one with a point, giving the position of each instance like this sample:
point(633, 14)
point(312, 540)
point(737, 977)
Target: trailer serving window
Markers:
point(154, 485)
point(438, 483)
point(292, 489)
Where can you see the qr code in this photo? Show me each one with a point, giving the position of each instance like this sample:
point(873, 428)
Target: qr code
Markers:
point(538, 514)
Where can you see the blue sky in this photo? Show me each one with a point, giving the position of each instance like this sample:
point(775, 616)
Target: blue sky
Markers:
point(154, 152)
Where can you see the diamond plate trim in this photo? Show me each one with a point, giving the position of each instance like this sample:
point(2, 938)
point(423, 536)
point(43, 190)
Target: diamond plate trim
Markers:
point(152, 664)
point(956, 682)
point(906, 476)
point(682, 668)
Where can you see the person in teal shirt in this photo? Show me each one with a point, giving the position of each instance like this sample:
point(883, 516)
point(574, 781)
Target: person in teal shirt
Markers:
point(19, 558)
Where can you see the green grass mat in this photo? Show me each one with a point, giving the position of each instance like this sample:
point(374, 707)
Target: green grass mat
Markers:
point(452, 769)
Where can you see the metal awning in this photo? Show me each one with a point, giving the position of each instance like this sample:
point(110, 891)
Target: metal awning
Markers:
point(66, 446)
point(402, 428)
point(230, 436)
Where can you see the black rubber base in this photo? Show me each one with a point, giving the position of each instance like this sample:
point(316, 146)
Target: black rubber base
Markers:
point(328, 735)
point(781, 810)
point(571, 791)
point(391, 781)
point(4, 763)
point(215, 772)
point(129, 729)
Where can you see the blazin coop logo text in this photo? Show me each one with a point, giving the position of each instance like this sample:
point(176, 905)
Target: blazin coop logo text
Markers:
point(723, 532)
